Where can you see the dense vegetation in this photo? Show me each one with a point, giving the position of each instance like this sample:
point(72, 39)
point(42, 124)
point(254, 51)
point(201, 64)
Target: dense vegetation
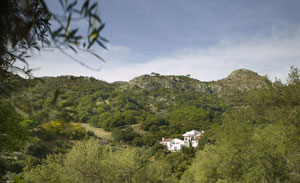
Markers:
point(251, 129)
point(257, 143)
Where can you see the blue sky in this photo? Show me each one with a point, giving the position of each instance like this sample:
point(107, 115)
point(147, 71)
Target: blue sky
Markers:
point(205, 38)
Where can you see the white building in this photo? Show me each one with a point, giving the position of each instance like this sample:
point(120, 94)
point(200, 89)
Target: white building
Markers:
point(193, 137)
point(190, 137)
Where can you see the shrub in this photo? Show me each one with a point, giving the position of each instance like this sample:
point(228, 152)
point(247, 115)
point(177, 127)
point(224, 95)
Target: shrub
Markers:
point(69, 130)
point(126, 135)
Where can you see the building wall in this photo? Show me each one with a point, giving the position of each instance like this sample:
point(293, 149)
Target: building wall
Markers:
point(189, 139)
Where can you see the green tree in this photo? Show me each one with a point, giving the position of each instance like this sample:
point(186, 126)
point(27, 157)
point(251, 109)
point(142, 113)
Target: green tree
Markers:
point(87, 162)
point(293, 76)
point(156, 171)
point(50, 171)
point(257, 143)
point(153, 121)
point(12, 134)
point(188, 118)
point(126, 135)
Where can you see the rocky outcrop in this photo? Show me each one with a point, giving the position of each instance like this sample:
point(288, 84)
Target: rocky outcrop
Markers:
point(241, 79)
point(176, 83)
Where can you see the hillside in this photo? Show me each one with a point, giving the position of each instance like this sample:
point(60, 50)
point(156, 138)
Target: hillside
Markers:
point(155, 105)
point(111, 105)
point(152, 93)
point(249, 122)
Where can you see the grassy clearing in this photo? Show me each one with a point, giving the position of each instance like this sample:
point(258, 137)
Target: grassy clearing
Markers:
point(137, 128)
point(99, 132)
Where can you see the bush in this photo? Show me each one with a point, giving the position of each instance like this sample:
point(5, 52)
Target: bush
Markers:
point(28, 123)
point(126, 135)
point(87, 162)
point(153, 120)
point(18, 179)
point(69, 130)
point(90, 133)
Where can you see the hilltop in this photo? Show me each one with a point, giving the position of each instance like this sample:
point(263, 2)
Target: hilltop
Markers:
point(241, 79)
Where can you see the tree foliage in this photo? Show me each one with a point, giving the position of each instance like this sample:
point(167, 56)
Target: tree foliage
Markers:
point(257, 143)
point(68, 129)
point(12, 133)
point(26, 25)
point(187, 118)
point(90, 162)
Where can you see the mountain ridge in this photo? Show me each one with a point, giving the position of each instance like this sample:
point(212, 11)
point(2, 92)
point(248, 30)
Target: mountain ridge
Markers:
point(153, 93)
point(241, 79)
